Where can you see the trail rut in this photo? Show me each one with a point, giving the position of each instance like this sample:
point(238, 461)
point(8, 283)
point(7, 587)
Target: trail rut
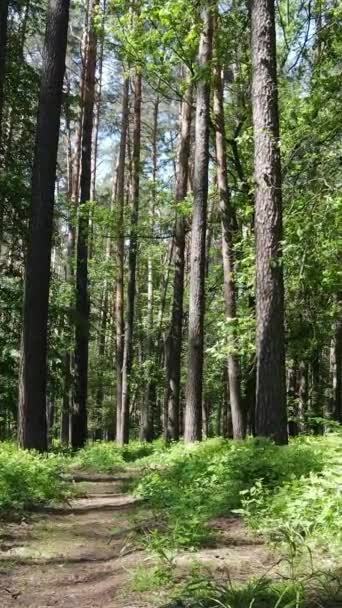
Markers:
point(83, 555)
point(69, 556)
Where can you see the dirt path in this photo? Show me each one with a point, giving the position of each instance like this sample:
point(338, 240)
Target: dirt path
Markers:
point(83, 556)
point(76, 556)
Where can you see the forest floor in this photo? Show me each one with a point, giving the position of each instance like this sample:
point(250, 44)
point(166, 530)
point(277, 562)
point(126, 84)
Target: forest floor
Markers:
point(86, 554)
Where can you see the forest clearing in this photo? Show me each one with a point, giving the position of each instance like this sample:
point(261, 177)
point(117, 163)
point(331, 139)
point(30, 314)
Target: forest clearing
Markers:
point(170, 304)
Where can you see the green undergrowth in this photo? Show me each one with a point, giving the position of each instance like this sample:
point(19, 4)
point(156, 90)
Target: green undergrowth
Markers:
point(106, 457)
point(200, 591)
point(304, 513)
point(189, 485)
point(292, 495)
point(29, 479)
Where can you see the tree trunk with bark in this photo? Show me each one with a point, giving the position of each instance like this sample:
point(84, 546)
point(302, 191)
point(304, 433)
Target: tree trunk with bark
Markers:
point(33, 375)
point(79, 417)
point(228, 227)
point(3, 48)
point(337, 383)
point(119, 287)
point(174, 339)
point(271, 419)
point(302, 394)
point(148, 403)
point(193, 412)
point(123, 430)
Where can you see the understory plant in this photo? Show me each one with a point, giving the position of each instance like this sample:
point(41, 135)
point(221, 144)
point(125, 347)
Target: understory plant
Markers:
point(28, 479)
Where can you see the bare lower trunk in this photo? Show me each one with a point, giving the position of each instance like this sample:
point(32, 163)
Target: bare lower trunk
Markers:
point(193, 412)
point(270, 391)
point(67, 400)
point(337, 384)
point(174, 340)
point(123, 431)
point(79, 418)
point(228, 223)
point(33, 378)
point(146, 420)
point(302, 394)
point(119, 287)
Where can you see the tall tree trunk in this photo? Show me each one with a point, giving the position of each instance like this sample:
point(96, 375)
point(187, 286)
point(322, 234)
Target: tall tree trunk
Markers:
point(3, 47)
point(33, 377)
point(101, 354)
point(174, 339)
point(316, 392)
point(227, 426)
point(123, 431)
point(302, 394)
point(337, 384)
point(96, 131)
point(228, 227)
point(119, 303)
point(69, 278)
point(146, 419)
point(193, 412)
point(98, 100)
point(79, 417)
point(3, 52)
point(271, 419)
point(292, 398)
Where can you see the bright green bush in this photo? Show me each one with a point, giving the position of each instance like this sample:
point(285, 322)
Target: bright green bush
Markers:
point(310, 505)
point(195, 483)
point(98, 456)
point(106, 456)
point(28, 479)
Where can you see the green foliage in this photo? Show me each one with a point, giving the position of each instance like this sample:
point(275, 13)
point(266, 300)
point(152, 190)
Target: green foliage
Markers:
point(189, 484)
point(28, 479)
point(199, 591)
point(203, 592)
point(308, 508)
point(106, 456)
point(99, 457)
point(149, 579)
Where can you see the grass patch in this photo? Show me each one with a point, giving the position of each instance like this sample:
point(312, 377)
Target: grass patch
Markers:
point(198, 591)
point(150, 579)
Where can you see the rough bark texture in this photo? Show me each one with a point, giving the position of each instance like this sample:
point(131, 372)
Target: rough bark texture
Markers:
point(193, 412)
point(32, 397)
point(228, 225)
point(119, 303)
point(69, 278)
point(98, 102)
point(302, 394)
point(3, 45)
point(79, 417)
point(148, 404)
point(174, 341)
point(337, 383)
point(123, 430)
point(271, 390)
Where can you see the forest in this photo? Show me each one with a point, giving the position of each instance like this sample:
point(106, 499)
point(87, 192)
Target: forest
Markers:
point(170, 303)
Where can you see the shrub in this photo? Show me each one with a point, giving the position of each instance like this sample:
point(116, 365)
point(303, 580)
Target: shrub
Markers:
point(201, 481)
point(309, 506)
point(107, 456)
point(28, 479)
point(98, 456)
